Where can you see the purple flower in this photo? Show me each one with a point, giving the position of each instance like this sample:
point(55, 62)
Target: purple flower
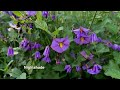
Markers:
point(78, 68)
point(46, 51)
point(53, 17)
point(45, 14)
point(58, 62)
point(93, 38)
point(80, 31)
point(90, 56)
point(115, 47)
point(37, 55)
point(68, 68)
point(95, 70)
point(60, 44)
point(99, 39)
point(108, 43)
point(10, 51)
point(36, 45)
point(31, 13)
point(31, 25)
point(85, 67)
point(24, 43)
point(82, 39)
point(83, 53)
point(46, 59)
point(118, 48)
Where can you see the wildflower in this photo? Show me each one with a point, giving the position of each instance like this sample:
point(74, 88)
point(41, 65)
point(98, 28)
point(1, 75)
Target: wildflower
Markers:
point(95, 70)
point(78, 68)
point(85, 67)
point(80, 31)
point(31, 13)
point(53, 17)
point(90, 56)
point(46, 59)
point(93, 38)
point(83, 39)
point(37, 55)
point(24, 43)
point(36, 45)
point(10, 51)
point(68, 68)
point(115, 47)
point(60, 44)
point(46, 51)
point(83, 53)
point(45, 14)
point(108, 43)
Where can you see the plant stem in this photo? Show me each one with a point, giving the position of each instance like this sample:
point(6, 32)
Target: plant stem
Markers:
point(93, 19)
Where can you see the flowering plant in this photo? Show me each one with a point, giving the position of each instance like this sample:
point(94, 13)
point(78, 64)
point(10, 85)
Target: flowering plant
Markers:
point(68, 44)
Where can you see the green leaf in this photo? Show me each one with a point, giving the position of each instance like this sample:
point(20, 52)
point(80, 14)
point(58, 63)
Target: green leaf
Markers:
point(39, 16)
point(116, 57)
point(41, 24)
point(60, 28)
point(112, 28)
point(22, 76)
point(102, 48)
point(12, 34)
point(112, 69)
point(113, 73)
point(16, 72)
point(18, 13)
point(56, 32)
point(58, 68)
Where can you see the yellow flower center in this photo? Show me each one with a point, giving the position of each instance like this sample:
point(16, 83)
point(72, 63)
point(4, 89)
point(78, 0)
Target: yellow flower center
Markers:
point(61, 44)
point(82, 39)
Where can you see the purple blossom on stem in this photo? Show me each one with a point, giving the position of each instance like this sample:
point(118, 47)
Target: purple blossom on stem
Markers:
point(99, 39)
point(10, 51)
point(95, 70)
point(36, 45)
point(83, 53)
point(80, 31)
point(90, 56)
point(68, 68)
point(93, 38)
point(37, 55)
point(115, 47)
point(60, 44)
point(45, 14)
point(46, 51)
point(82, 39)
point(24, 43)
point(53, 17)
point(78, 68)
point(46, 59)
point(31, 13)
point(108, 43)
point(85, 67)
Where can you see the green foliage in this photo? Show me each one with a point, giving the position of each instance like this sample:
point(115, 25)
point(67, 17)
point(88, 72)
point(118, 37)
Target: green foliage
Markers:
point(106, 24)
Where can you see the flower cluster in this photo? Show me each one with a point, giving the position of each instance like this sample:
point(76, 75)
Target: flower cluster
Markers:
point(110, 45)
point(68, 68)
point(83, 37)
point(27, 45)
